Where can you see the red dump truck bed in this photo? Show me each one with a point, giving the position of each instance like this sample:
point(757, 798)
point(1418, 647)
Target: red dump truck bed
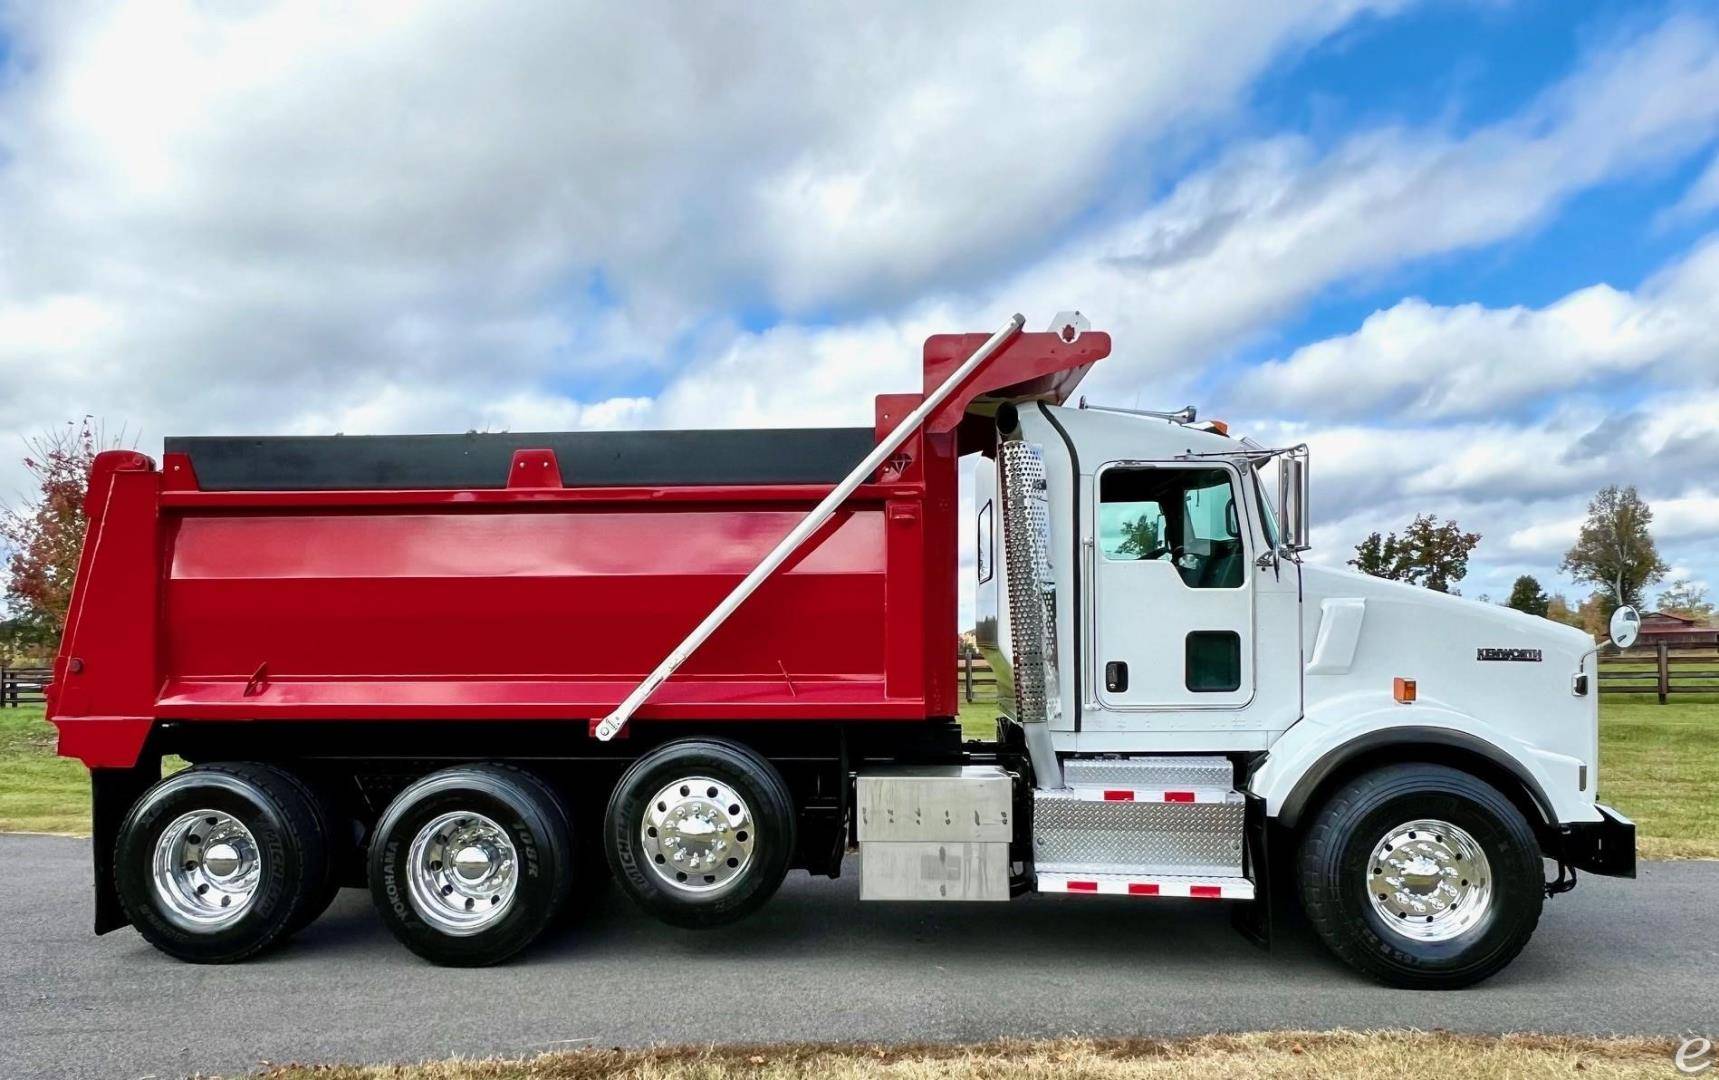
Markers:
point(525, 577)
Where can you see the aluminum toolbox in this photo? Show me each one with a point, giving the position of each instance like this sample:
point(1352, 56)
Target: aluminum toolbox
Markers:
point(935, 833)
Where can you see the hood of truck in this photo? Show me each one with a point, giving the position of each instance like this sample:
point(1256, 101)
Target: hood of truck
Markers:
point(1511, 672)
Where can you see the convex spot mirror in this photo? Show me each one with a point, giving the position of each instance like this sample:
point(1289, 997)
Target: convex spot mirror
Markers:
point(1625, 626)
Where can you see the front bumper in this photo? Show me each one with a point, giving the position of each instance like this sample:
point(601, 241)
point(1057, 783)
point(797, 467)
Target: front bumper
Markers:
point(1605, 847)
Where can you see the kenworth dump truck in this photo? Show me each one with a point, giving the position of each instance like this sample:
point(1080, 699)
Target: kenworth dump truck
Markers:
point(484, 674)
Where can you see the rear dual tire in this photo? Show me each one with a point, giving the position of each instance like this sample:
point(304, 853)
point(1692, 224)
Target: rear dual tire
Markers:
point(470, 865)
point(220, 862)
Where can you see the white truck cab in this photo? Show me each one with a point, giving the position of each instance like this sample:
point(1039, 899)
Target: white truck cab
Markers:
point(1407, 755)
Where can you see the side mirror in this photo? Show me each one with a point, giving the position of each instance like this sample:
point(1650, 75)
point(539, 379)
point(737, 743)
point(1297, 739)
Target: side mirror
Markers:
point(1292, 484)
point(1625, 626)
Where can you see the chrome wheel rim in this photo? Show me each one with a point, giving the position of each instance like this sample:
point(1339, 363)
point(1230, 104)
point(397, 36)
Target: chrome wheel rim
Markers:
point(206, 870)
point(464, 873)
point(1429, 880)
point(698, 835)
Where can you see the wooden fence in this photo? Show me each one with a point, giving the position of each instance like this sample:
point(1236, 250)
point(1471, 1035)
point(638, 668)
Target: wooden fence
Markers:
point(978, 681)
point(1661, 671)
point(23, 686)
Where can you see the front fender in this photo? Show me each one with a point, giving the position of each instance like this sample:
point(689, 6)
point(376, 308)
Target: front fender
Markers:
point(1343, 728)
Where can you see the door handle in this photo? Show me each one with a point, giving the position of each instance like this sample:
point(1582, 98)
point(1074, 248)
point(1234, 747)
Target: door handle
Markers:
point(1116, 677)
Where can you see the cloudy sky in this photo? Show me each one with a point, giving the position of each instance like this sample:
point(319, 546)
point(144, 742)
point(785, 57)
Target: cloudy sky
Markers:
point(1469, 251)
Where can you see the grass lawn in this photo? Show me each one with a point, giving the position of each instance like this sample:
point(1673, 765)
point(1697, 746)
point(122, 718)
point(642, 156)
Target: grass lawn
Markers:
point(1659, 764)
point(1328, 1055)
point(39, 792)
point(979, 719)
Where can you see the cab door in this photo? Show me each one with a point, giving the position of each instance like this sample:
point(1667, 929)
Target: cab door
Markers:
point(1172, 592)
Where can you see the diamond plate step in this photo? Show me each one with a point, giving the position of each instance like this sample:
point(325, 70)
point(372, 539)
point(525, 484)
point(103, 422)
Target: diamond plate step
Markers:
point(1162, 885)
point(1072, 834)
point(1161, 795)
point(1149, 772)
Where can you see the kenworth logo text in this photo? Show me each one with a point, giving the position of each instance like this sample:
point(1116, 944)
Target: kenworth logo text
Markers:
point(1528, 656)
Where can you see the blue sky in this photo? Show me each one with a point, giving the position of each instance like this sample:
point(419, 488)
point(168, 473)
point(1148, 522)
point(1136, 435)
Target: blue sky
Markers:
point(1461, 67)
point(1468, 250)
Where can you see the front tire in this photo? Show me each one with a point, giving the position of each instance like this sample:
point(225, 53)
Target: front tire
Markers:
point(700, 832)
point(219, 862)
point(470, 865)
point(1422, 876)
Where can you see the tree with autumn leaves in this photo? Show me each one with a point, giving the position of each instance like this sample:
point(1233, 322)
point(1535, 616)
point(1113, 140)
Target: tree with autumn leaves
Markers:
point(1428, 554)
point(43, 537)
point(1614, 551)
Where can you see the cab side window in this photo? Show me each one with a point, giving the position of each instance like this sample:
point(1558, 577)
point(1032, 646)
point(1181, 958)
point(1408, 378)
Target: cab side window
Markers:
point(1186, 517)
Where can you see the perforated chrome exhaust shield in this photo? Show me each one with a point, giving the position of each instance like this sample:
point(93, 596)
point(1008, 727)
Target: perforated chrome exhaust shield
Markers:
point(1032, 587)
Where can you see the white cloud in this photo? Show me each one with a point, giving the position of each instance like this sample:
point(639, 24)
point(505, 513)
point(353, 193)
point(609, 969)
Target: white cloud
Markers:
point(1239, 245)
point(1252, 239)
point(279, 216)
point(338, 215)
point(1429, 361)
point(1545, 539)
point(1692, 517)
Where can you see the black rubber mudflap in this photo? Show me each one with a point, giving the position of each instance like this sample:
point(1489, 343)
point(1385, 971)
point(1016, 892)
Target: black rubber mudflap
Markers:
point(112, 794)
point(1254, 920)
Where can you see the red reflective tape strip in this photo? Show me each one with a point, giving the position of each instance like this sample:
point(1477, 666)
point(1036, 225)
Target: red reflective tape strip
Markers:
point(1118, 796)
point(1213, 892)
point(1142, 888)
point(1083, 886)
point(1178, 796)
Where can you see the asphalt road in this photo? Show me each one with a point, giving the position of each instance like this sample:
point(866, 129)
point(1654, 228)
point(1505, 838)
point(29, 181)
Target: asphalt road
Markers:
point(815, 964)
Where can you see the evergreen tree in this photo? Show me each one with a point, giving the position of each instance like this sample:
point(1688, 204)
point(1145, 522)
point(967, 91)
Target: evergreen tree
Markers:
point(1527, 595)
